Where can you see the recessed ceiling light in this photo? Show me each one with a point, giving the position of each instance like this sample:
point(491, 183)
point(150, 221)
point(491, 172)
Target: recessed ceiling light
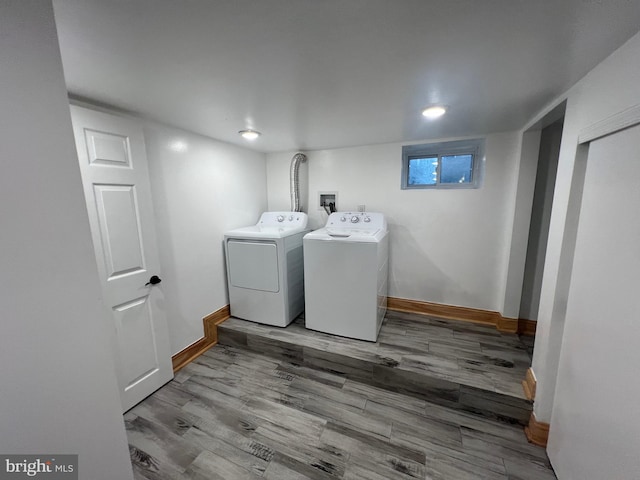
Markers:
point(179, 146)
point(434, 112)
point(249, 134)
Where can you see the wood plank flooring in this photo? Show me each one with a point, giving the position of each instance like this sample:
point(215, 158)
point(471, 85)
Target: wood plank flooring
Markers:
point(470, 367)
point(236, 414)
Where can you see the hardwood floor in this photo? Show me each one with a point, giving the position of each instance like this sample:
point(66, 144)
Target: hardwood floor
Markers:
point(237, 414)
point(470, 367)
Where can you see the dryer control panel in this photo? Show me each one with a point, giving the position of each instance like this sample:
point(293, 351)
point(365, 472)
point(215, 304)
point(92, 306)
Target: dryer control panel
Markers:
point(283, 219)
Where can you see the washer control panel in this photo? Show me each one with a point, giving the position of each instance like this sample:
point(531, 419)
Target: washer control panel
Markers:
point(359, 220)
point(283, 219)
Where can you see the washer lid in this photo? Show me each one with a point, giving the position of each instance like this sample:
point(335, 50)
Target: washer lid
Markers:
point(352, 227)
point(338, 234)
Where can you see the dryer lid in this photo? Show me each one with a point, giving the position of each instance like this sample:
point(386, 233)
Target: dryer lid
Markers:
point(273, 225)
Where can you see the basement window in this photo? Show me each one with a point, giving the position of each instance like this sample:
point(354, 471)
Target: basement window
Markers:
point(442, 165)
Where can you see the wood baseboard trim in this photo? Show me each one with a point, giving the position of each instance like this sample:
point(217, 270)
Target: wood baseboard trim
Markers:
point(452, 312)
point(190, 353)
point(212, 321)
point(527, 327)
point(439, 310)
point(529, 385)
point(537, 432)
point(507, 325)
point(193, 351)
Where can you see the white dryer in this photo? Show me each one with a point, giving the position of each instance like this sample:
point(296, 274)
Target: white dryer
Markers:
point(265, 270)
point(346, 270)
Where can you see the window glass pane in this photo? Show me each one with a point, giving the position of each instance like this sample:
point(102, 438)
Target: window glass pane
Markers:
point(456, 169)
point(423, 171)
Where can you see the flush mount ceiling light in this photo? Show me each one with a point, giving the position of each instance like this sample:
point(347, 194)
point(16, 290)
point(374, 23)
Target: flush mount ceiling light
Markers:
point(179, 146)
point(249, 134)
point(435, 111)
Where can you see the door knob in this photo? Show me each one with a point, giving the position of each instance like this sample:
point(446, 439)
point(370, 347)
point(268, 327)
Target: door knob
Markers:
point(154, 280)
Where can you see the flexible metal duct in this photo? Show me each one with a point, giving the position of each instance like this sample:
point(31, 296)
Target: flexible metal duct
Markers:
point(294, 180)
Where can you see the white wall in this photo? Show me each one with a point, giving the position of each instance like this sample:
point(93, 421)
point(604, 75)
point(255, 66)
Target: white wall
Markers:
point(610, 88)
point(595, 418)
point(447, 246)
point(59, 391)
point(522, 200)
point(198, 194)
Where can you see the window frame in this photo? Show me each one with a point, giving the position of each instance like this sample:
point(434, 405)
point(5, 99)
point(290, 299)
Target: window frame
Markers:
point(473, 147)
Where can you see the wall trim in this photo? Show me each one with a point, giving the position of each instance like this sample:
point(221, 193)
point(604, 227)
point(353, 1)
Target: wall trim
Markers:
point(507, 325)
point(527, 327)
point(621, 120)
point(537, 432)
point(529, 385)
point(197, 348)
point(440, 310)
point(466, 314)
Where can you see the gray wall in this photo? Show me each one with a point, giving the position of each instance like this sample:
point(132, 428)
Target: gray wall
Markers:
point(59, 392)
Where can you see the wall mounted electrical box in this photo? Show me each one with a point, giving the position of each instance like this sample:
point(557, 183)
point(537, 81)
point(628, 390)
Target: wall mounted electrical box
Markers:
point(328, 201)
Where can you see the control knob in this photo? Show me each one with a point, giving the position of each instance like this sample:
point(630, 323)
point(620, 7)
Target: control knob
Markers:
point(355, 219)
point(367, 219)
point(280, 218)
point(342, 219)
point(291, 218)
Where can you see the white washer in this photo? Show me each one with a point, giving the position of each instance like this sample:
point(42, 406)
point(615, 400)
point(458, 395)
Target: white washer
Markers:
point(265, 270)
point(346, 270)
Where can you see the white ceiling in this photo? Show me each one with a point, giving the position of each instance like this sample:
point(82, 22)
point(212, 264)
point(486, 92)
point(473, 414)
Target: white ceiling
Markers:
point(312, 74)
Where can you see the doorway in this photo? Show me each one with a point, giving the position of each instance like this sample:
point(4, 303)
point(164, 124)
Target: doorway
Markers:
point(548, 156)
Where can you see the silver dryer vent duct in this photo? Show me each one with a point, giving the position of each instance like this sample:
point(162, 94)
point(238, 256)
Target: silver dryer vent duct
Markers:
point(294, 180)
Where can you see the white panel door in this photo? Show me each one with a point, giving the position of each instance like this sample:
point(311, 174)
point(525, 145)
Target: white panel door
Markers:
point(594, 427)
point(115, 176)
